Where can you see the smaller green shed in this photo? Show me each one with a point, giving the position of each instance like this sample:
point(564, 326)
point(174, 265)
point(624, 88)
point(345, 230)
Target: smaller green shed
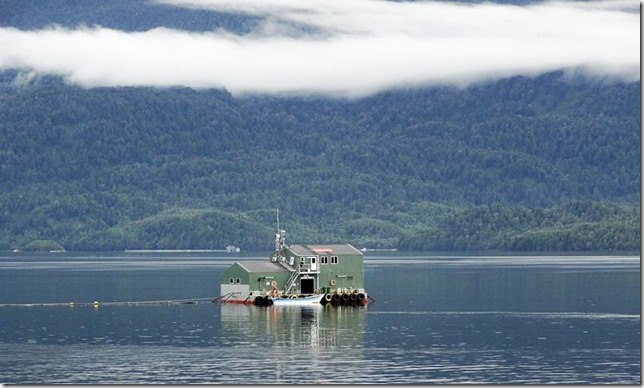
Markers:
point(245, 280)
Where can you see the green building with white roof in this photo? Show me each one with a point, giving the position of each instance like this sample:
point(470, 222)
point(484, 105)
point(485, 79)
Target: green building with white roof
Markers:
point(296, 270)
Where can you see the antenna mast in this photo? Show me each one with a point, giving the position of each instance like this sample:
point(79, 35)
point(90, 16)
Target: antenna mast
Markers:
point(280, 236)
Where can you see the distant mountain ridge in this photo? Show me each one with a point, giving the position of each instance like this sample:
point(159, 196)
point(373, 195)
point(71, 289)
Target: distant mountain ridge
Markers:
point(126, 15)
point(129, 15)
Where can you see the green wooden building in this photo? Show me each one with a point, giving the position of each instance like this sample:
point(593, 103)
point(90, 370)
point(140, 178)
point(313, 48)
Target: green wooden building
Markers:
point(296, 270)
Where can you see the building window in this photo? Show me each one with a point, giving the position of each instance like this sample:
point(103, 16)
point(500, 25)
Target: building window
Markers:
point(301, 260)
point(334, 259)
point(324, 260)
point(232, 281)
point(238, 280)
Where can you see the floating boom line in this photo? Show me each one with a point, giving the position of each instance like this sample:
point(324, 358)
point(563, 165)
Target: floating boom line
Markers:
point(114, 303)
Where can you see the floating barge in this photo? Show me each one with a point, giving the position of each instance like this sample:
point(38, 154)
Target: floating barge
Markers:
point(298, 275)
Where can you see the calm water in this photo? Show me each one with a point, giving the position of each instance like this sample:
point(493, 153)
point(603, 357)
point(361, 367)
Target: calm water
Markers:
point(436, 319)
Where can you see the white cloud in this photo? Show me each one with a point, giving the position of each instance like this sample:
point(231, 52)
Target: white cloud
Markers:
point(348, 47)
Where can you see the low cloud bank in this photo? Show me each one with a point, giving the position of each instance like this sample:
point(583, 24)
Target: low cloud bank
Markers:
point(346, 48)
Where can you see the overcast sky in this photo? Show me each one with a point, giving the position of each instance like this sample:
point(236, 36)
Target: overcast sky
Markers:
point(347, 48)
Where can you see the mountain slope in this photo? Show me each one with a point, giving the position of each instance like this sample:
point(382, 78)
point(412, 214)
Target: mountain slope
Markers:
point(81, 164)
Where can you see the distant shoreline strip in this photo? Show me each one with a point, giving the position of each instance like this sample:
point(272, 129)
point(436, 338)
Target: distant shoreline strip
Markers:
point(176, 250)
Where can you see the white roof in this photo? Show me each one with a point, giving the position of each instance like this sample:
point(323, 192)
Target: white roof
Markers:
point(325, 249)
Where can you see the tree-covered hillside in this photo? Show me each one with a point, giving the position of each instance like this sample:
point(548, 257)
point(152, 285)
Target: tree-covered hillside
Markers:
point(136, 15)
point(117, 168)
point(127, 15)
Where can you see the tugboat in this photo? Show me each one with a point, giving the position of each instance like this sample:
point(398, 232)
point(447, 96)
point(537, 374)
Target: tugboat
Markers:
point(302, 274)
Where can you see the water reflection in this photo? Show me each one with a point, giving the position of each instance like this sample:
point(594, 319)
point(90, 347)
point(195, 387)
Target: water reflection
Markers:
point(294, 326)
point(297, 344)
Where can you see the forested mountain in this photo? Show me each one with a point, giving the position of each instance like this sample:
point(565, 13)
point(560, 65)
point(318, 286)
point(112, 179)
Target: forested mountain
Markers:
point(135, 15)
point(544, 163)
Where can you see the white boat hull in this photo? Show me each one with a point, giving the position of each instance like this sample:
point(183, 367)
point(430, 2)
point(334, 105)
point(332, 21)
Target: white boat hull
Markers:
point(305, 301)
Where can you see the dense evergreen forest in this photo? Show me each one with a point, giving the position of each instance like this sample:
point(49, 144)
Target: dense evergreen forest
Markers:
point(136, 15)
point(529, 164)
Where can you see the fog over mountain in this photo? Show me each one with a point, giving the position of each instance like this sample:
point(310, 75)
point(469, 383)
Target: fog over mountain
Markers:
point(348, 48)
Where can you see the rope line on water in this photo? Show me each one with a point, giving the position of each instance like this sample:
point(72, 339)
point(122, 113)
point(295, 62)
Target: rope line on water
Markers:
point(114, 303)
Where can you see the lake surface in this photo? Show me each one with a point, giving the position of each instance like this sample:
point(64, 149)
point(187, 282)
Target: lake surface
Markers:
point(435, 319)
